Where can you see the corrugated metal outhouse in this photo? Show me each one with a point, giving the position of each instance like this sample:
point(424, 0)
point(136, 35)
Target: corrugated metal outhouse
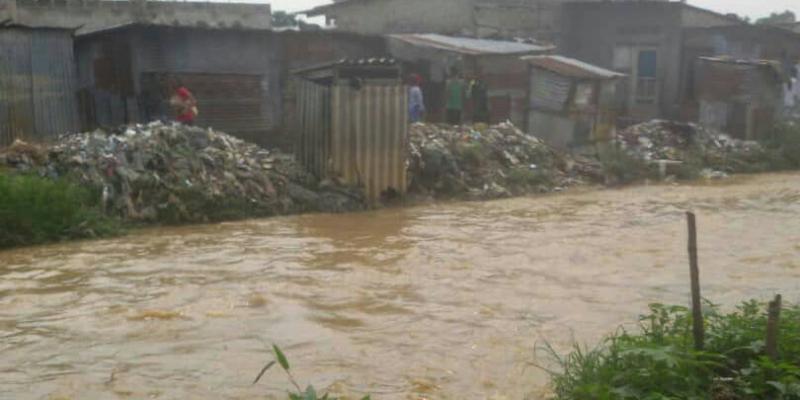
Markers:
point(353, 125)
point(37, 83)
point(571, 103)
point(741, 97)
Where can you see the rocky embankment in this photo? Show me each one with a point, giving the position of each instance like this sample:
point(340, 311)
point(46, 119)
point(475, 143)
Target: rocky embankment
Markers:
point(174, 173)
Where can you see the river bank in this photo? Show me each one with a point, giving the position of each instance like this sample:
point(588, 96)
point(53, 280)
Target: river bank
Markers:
point(447, 300)
point(164, 174)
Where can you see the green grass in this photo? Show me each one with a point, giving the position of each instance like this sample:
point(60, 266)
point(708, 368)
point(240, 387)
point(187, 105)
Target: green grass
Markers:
point(623, 168)
point(37, 210)
point(525, 177)
point(784, 147)
point(659, 362)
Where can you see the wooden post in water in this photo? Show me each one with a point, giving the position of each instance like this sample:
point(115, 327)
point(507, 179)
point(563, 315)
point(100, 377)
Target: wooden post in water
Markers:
point(694, 268)
point(773, 319)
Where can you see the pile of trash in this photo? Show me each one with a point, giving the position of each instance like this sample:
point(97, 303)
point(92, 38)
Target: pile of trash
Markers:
point(484, 162)
point(175, 173)
point(661, 140)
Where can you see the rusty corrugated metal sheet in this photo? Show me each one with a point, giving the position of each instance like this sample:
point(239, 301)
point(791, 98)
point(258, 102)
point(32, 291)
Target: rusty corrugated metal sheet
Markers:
point(357, 135)
point(370, 137)
point(571, 67)
point(471, 46)
point(312, 146)
point(37, 84)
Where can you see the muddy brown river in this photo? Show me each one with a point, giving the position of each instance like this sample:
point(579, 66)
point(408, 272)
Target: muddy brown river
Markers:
point(444, 301)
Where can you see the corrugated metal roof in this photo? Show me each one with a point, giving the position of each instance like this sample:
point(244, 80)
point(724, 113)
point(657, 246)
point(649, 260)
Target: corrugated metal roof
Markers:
point(350, 62)
point(729, 60)
point(571, 67)
point(470, 46)
point(127, 25)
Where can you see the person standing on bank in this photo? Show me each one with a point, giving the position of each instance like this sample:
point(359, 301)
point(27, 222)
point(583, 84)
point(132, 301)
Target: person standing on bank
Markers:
point(416, 101)
point(183, 102)
point(479, 94)
point(454, 92)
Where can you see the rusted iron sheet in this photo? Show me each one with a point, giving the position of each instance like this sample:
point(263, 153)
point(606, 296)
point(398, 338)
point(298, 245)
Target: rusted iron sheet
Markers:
point(312, 146)
point(572, 68)
point(370, 137)
point(37, 84)
point(356, 135)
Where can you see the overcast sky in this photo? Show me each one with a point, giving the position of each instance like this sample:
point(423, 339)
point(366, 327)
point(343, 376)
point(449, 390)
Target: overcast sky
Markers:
point(752, 8)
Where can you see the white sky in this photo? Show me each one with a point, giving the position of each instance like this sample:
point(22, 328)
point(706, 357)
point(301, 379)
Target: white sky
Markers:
point(752, 8)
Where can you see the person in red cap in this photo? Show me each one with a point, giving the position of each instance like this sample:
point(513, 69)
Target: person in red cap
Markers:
point(183, 102)
point(416, 102)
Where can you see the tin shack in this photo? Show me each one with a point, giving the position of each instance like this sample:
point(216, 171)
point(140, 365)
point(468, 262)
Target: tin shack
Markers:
point(496, 62)
point(571, 103)
point(233, 72)
point(741, 97)
point(37, 83)
point(353, 125)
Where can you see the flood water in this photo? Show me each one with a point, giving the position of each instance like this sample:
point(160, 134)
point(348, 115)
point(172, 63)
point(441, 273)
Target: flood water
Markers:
point(444, 301)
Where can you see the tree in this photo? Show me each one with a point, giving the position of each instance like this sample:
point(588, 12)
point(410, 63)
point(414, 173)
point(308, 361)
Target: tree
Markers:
point(281, 19)
point(786, 17)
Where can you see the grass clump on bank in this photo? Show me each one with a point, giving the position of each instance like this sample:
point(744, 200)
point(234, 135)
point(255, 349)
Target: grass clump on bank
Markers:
point(37, 210)
point(620, 167)
point(660, 361)
point(783, 147)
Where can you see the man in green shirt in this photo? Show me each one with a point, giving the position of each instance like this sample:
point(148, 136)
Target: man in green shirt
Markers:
point(455, 99)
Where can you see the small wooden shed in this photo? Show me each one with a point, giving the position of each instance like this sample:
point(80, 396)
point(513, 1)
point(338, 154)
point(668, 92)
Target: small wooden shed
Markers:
point(352, 124)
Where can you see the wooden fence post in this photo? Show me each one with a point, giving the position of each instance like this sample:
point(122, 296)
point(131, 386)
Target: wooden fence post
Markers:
point(697, 311)
point(773, 319)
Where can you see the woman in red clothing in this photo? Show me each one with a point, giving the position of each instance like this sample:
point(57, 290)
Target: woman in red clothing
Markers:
point(183, 102)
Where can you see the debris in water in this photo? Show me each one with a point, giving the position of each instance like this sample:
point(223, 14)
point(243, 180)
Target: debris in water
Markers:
point(161, 315)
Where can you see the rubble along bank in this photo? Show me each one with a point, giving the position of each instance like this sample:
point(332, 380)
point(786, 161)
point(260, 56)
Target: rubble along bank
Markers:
point(488, 162)
point(178, 174)
point(172, 174)
point(157, 173)
point(693, 151)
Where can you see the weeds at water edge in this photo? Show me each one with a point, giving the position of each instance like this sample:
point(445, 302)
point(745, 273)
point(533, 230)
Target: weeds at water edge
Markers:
point(660, 363)
point(36, 210)
point(310, 393)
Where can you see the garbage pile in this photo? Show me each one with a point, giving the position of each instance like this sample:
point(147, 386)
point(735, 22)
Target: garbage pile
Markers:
point(484, 162)
point(174, 173)
point(659, 140)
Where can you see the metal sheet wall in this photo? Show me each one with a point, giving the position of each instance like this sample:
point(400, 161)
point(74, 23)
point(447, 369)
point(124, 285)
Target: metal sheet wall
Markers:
point(37, 84)
point(313, 140)
point(357, 135)
point(213, 62)
point(370, 137)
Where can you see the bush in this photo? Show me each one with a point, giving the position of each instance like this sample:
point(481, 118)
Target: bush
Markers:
point(473, 154)
point(784, 147)
point(36, 210)
point(661, 363)
point(529, 178)
point(621, 167)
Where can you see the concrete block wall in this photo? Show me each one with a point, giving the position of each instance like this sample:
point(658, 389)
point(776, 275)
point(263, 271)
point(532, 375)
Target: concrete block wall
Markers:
point(93, 15)
point(8, 10)
point(408, 16)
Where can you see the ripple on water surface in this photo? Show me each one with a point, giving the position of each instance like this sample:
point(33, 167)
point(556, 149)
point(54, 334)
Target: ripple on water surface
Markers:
point(440, 301)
